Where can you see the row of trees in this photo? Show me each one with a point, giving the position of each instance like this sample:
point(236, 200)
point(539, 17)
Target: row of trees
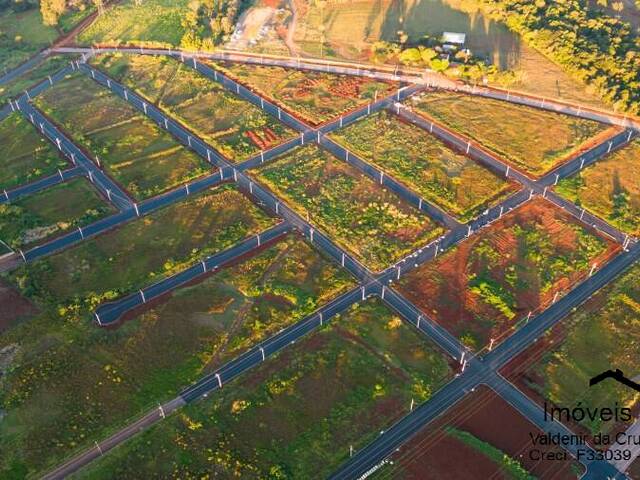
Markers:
point(52, 10)
point(594, 47)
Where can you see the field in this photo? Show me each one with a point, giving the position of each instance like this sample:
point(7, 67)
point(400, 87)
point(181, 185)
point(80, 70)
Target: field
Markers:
point(531, 139)
point(600, 336)
point(152, 22)
point(361, 216)
point(236, 128)
point(59, 209)
point(297, 415)
point(466, 445)
point(609, 188)
point(144, 159)
point(312, 96)
point(16, 87)
point(90, 379)
point(423, 163)
point(26, 155)
point(22, 35)
point(482, 287)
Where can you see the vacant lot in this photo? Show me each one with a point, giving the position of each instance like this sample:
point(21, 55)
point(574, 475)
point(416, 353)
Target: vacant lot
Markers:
point(610, 188)
point(234, 127)
point(151, 22)
point(600, 336)
point(423, 163)
point(133, 149)
point(89, 378)
point(355, 211)
point(296, 415)
point(314, 97)
point(466, 445)
point(531, 139)
point(22, 35)
point(481, 288)
point(67, 206)
point(16, 87)
point(26, 155)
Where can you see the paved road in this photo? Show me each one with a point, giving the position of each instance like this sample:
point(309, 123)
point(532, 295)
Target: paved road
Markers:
point(542, 186)
point(24, 67)
point(109, 313)
point(217, 379)
point(405, 74)
point(40, 184)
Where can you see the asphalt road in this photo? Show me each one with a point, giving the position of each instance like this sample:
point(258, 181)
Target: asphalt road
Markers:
point(40, 184)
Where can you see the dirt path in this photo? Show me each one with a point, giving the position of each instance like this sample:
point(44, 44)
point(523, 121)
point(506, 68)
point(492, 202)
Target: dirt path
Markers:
point(289, 42)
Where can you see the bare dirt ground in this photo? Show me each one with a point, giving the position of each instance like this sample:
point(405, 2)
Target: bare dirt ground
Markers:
point(13, 306)
point(433, 454)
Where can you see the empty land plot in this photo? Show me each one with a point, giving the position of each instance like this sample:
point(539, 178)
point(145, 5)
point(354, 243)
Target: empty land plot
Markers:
point(465, 444)
point(601, 335)
point(16, 87)
point(92, 380)
point(313, 96)
point(531, 139)
point(610, 188)
point(61, 208)
point(133, 149)
point(23, 34)
point(479, 289)
point(152, 22)
point(296, 415)
point(158, 245)
point(425, 164)
point(236, 128)
point(360, 215)
point(26, 155)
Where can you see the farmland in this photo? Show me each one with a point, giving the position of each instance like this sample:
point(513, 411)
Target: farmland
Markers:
point(423, 163)
point(600, 335)
point(94, 379)
point(533, 140)
point(363, 218)
point(610, 188)
point(236, 128)
point(26, 156)
point(479, 289)
point(465, 445)
point(313, 96)
point(297, 415)
point(136, 152)
point(29, 220)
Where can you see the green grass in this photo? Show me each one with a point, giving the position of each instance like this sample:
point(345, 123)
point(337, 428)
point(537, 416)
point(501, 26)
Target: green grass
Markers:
point(93, 379)
point(481, 288)
point(219, 117)
point(153, 22)
point(609, 188)
point(510, 467)
point(137, 153)
point(600, 336)
point(56, 210)
point(16, 87)
point(426, 165)
point(313, 96)
point(26, 156)
point(297, 415)
point(22, 35)
point(531, 139)
point(361, 216)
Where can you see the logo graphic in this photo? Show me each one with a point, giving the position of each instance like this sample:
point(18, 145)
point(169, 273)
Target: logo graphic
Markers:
point(618, 376)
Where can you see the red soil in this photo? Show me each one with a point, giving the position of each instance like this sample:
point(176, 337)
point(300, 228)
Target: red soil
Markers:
point(13, 306)
point(441, 288)
point(433, 454)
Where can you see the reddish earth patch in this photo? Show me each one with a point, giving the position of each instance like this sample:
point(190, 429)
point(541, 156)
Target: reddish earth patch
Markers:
point(634, 469)
point(13, 306)
point(435, 455)
point(443, 288)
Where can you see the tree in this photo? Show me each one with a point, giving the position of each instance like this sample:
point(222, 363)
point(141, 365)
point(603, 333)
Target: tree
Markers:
point(52, 10)
point(439, 64)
